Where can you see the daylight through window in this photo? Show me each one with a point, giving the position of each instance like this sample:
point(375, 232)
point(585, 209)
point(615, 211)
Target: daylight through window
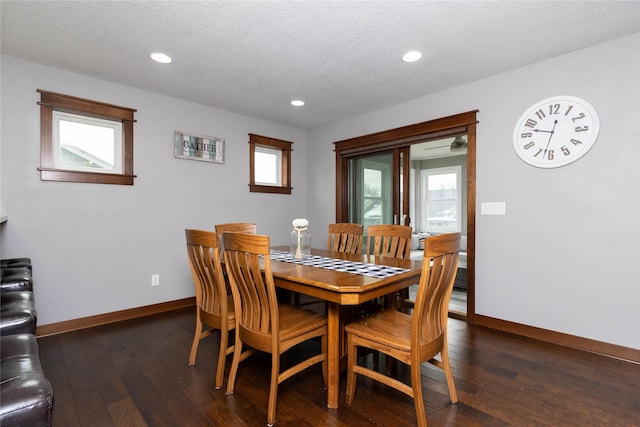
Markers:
point(87, 144)
point(268, 166)
point(442, 198)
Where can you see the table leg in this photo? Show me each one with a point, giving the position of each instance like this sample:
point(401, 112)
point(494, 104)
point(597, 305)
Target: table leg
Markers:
point(333, 355)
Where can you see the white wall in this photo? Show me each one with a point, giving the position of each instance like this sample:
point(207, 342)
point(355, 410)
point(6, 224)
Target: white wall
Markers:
point(95, 247)
point(566, 255)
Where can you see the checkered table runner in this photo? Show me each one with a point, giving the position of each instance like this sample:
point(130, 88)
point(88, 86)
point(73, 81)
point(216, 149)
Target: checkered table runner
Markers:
point(364, 269)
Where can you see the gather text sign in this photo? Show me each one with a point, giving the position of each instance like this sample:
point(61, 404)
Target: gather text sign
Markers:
point(207, 148)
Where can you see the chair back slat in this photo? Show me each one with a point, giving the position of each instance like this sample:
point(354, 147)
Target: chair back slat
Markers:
point(388, 240)
point(253, 292)
point(204, 260)
point(439, 270)
point(345, 238)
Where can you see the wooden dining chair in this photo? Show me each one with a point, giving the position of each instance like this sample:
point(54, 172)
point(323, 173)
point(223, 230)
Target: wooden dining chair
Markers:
point(389, 240)
point(392, 241)
point(412, 339)
point(345, 237)
point(214, 306)
point(262, 323)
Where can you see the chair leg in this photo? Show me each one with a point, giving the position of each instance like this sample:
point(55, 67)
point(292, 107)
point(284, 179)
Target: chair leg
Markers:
point(273, 389)
point(222, 358)
point(416, 385)
point(446, 367)
point(237, 352)
point(351, 376)
point(196, 341)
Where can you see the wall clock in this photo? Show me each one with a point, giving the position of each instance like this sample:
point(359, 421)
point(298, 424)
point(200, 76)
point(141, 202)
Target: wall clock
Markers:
point(556, 131)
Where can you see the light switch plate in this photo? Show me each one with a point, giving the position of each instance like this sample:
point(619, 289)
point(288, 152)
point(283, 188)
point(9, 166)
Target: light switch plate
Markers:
point(493, 208)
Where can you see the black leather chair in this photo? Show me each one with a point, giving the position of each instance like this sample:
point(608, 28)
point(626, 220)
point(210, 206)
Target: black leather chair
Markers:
point(26, 395)
point(17, 302)
point(17, 313)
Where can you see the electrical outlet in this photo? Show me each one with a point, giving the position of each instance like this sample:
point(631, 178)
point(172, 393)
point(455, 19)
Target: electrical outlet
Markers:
point(155, 280)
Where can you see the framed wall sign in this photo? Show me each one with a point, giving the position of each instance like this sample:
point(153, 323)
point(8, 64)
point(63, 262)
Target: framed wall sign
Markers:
point(206, 148)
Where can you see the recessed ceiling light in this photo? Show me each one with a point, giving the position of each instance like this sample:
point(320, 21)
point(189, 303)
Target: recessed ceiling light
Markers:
point(297, 103)
point(412, 56)
point(161, 57)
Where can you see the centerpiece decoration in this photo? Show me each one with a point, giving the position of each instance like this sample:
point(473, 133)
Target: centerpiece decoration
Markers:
point(300, 239)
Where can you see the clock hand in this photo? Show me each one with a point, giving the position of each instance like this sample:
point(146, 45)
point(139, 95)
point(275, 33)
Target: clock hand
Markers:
point(555, 122)
point(540, 130)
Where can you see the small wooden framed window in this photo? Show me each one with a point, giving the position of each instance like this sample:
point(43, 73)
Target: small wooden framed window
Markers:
point(85, 141)
point(269, 165)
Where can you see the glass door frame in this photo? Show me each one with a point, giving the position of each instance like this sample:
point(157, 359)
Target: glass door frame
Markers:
point(401, 138)
point(399, 173)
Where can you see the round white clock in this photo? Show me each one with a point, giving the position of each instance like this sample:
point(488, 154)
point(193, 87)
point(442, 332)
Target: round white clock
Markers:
point(556, 131)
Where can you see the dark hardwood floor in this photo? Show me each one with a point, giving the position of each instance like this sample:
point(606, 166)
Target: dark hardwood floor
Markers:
point(135, 373)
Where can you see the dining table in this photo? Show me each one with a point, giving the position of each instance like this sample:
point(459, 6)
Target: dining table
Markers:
point(341, 280)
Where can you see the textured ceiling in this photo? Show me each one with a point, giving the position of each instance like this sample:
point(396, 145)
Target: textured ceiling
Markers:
point(341, 58)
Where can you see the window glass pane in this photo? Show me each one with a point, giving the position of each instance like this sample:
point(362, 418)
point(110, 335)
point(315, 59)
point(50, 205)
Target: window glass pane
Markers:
point(443, 199)
point(87, 144)
point(267, 166)
point(370, 182)
point(372, 200)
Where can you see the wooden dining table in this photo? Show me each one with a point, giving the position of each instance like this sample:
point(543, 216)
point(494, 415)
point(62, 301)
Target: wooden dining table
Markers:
point(339, 289)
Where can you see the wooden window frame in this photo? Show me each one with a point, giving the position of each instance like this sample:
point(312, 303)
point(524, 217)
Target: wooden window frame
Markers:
point(50, 102)
point(277, 144)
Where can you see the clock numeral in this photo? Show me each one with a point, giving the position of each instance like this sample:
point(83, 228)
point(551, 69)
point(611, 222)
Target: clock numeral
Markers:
point(575, 141)
point(529, 145)
point(531, 123)
point(565, 150)
point(574, 119)
point(550, 154)
point(526, 135)
point(541, 115)
point(582, 129)
point(554, 109)
point(540, 150)
point(568, 109)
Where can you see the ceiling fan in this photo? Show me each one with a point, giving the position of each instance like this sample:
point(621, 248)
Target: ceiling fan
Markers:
point(459, 143)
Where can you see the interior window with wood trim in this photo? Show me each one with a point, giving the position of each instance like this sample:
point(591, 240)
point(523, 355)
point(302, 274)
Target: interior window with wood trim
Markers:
point(85, 141)
point(269, 165)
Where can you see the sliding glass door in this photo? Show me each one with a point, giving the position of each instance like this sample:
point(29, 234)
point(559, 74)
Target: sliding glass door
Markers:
point(376, 188)
point(370, 184)
point(373, 175)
